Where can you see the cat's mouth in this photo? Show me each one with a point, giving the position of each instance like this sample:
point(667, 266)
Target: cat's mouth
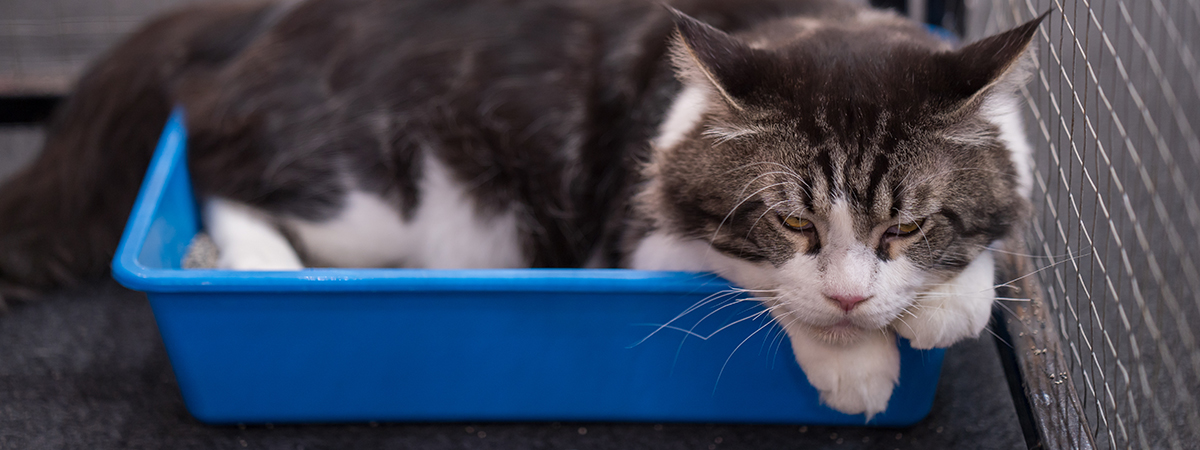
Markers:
point(844, 331)
point(838, 328)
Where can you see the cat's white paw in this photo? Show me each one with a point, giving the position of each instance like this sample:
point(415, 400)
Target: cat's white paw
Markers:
point(932, 327)
point(246, 239)
point(953, 311)
point(865, 390)
point(853, 379)
point(259, 256)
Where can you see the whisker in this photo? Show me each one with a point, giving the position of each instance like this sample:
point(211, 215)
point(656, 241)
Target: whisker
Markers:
point(706, 316)
point(764, 214)
point(928, 246)
point(735, 349)
point(998, 338)
point(739, 205)
point(1006, 308)
point(718, 295)
point(901, 319)
point(1006, 252)
point(783, 332)
point(666, 327)
point(754, 316)
point(786, 172)
point(1052, 265)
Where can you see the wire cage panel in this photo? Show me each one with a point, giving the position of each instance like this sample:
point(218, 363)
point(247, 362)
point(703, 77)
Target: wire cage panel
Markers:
point(1112, 111)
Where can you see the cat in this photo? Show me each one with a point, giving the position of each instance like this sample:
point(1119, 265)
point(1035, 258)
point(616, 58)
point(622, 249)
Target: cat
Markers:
point(842, 163)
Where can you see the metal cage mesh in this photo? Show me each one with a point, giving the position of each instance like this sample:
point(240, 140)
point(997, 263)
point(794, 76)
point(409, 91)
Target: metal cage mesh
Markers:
point(1112, 113)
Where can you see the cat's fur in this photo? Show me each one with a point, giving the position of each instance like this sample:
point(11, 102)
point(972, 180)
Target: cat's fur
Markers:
point(531, 133)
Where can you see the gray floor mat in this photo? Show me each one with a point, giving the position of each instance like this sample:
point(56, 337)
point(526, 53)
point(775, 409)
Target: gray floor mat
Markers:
point(86, 368)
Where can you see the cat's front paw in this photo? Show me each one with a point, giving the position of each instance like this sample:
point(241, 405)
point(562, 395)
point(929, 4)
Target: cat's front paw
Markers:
point(853, 379)
point(851, 391)
point(953, 311)
point(246, 238)
point(931, 327)
point(258, 259)
point(266, 252)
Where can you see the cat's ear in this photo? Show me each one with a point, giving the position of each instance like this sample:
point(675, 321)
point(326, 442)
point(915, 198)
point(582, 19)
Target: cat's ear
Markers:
point(708, 57)
point(991, 70)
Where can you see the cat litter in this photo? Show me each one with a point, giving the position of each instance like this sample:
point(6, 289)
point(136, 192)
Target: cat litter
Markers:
point(201, 253)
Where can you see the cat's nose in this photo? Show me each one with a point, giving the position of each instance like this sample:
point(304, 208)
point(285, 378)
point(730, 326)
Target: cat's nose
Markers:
point(846, 302)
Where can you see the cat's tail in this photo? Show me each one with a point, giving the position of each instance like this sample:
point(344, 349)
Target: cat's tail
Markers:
point(62, 216)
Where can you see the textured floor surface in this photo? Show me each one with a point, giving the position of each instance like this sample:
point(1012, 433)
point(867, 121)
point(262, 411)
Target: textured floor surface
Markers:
point(86, 369)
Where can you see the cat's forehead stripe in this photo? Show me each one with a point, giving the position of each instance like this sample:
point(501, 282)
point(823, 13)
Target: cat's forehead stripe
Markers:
point(824, 161)
point(878, 171)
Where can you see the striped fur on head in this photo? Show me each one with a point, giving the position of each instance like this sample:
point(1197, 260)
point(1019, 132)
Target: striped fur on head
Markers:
point(862, 125)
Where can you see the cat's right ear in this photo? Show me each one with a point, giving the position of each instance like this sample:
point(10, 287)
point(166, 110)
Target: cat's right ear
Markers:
point(994, 67)
point(708, 57)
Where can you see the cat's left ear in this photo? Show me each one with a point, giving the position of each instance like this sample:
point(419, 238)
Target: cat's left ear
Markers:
point(991, 69)
point(707, 57)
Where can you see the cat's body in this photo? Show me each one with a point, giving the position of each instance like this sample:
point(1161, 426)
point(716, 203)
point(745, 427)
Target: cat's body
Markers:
point(536, 112)
point(840, 162)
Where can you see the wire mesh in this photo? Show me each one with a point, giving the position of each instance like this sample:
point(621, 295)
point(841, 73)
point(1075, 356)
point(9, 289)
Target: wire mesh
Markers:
point(1113, 111)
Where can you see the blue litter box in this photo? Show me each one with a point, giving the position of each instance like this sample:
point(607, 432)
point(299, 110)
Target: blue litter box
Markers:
point(355, 345)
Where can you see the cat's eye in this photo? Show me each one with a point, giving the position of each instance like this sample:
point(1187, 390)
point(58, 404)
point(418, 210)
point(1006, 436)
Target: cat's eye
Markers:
point(797, 223)
point(905, 229)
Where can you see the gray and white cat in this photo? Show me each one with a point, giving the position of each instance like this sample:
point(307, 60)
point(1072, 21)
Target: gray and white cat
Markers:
point(839, 161)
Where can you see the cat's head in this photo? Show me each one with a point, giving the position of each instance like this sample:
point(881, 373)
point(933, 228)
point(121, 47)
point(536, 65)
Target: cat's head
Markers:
point(843, 166)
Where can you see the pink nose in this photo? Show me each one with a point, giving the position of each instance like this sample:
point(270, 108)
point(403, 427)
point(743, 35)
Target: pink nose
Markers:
point(847, 302)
